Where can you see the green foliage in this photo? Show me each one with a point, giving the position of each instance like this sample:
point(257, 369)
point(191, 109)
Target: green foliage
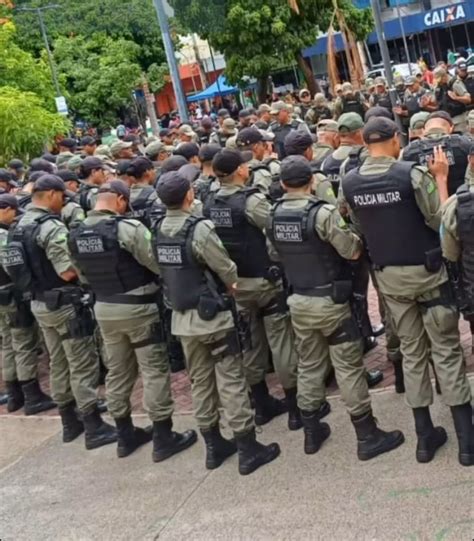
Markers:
point(100, 73)
point(133, 20)
point(157, 76)
point(20, 70)
point(25, 125)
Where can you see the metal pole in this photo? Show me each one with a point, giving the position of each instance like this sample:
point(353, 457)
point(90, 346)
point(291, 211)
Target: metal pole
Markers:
point(405, 44)
point(385, 57)
point(169, 50)
point(217, 76)
point(467, 35)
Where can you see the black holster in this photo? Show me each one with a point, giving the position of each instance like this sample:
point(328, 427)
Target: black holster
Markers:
point(433, 260)
point(83, 324)
point(22, 318)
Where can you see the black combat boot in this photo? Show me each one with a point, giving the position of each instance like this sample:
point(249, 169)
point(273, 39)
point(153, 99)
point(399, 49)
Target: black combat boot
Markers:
point(102, 405)
point(430, 438)
point(315, 432)
point(253, 454)
point(369, 343)
point(72, 426)
point(462, 417)
point(129, 437)
point(266, 406)
point(98, 432)
point(16, 398)
point(374, 377)
point(3, 399)
point(371, 441)
point(167, 443)
point(399, 377)
point(218, 448)
point(35, 400)
point(294, 414)
point(378, 330)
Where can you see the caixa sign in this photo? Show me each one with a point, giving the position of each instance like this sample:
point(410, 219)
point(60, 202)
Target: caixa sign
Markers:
point(444, 15)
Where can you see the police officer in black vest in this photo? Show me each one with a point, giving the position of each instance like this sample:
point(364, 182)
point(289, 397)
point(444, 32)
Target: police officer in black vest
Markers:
point(314, 244)
point(283, 125)
point(397, 207)
point(438, 131)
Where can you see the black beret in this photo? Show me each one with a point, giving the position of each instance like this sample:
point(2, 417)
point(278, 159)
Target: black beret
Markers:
point(172, 188)
point(207, 152)
point(68, 143)
point(379, 129)
point(440, 114)
point(49, 182)
point(187, 150)
point(91, 163)
point(8, 201)
point(295, 171)
point(377, 111)
point(40, 164)
point(227, 161)
point(122, 166)
point(67, 175)
point(117, 187)
point(88, 140)
point(296, 142)
point(173, 163)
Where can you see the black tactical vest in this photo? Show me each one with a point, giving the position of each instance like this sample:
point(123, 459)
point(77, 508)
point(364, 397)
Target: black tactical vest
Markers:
point(391, 221)
point(469, 83)
point(281, 131)
point(456, 148)
point(184, 278)
point(353, 105)
point(465, 218)
point(109, 269)
point(244, 241)
point(4, 278)
point(453, 107)
point(382, 100)
point(25, 262)
point(308, 261)
point(143, 206)
point(84, 195)
point(331, 168)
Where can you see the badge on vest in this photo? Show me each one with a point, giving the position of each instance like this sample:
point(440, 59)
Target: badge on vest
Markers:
point(287, 232)
point(377, 199)
point(169, 255)
point(12, 256)
point(426, 156)
point(90, 245)
point(221, 217)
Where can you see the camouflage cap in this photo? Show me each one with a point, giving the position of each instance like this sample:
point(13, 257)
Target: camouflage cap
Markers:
point(327, 125)
point(380, 81)
point(399, 80)
point(229, 126)
point(349, 122)
point(63, 158)
point(278, 106)
point(319, 98)
point(103, 150)
point(470, 119)
point(153, 149)
point(347, 88)
point(74, 163)
point(417, 121)
point(369, 82)
point(410, 80)
point(118, 146)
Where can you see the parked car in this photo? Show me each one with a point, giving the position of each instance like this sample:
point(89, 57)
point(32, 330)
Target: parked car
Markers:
point(397, 69)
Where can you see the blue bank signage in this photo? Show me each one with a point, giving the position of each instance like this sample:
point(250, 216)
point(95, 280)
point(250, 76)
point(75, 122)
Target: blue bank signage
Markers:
point(445, 15)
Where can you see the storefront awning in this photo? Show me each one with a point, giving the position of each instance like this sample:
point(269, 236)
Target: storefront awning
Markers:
point(413, 24)
point(218, 88)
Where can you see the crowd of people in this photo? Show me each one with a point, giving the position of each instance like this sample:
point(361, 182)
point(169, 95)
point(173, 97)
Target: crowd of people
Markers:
point(240, 243)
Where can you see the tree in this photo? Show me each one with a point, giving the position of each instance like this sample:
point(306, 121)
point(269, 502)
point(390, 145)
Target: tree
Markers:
point(25, 125)
point(258, 36)
point(101, 74)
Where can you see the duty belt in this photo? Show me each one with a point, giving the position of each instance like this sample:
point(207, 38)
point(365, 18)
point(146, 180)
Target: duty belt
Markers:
point(323, 291)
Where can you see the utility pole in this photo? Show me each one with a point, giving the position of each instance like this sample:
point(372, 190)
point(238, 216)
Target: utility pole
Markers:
point(404, 38)
point(150, 106)
point(385, 57)
point(172, 64)
point(39, 13)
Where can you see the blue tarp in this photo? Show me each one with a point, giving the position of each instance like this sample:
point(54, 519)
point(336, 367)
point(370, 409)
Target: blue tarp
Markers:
point(419, 22)
point(223, 89)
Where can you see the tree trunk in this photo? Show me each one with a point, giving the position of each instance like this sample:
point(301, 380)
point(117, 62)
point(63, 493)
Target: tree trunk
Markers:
point(313, 85)
point(262, 89)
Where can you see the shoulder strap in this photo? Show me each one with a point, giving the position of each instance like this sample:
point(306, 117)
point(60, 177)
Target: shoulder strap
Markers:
point(403, 168)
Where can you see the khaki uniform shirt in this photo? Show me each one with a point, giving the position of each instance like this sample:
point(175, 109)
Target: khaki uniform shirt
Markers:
point(209, 250)
point(72, 212)
point(322, 189)
point(320, 151)
point(397, 280)
point(135, 238)
point(262, 177)
point(3, 241)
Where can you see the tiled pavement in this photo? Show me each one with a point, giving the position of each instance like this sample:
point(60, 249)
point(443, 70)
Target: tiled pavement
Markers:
point(182, 389)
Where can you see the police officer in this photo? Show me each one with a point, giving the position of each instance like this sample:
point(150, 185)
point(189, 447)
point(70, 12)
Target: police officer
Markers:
point(197, 273)
point(19, 332)
point(350, 102)
point(71, 211)
point(254, 140)
point(239, 215)
point(89, 146)
point(157, 152)
point(381, 97)
point(92, 177)
point(114, 254)
point(301, 144)
point(67, 149)
point(457, 243)
point(438, 130)
point(143, 198)
point(313, 242)
point(452, 96)
point(39, 262)
point(207, 181)
point(122, 150)
point(283, 124)
point(417, 125)
point(327, 140)
point(227, 129)
point(402, 200)
point(319, 111)
point(349, 128)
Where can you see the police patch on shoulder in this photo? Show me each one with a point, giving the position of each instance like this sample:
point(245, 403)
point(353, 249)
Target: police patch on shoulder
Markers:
point(431, 187)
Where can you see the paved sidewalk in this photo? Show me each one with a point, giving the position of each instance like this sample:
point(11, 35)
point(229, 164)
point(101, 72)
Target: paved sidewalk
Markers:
point(52, 491)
